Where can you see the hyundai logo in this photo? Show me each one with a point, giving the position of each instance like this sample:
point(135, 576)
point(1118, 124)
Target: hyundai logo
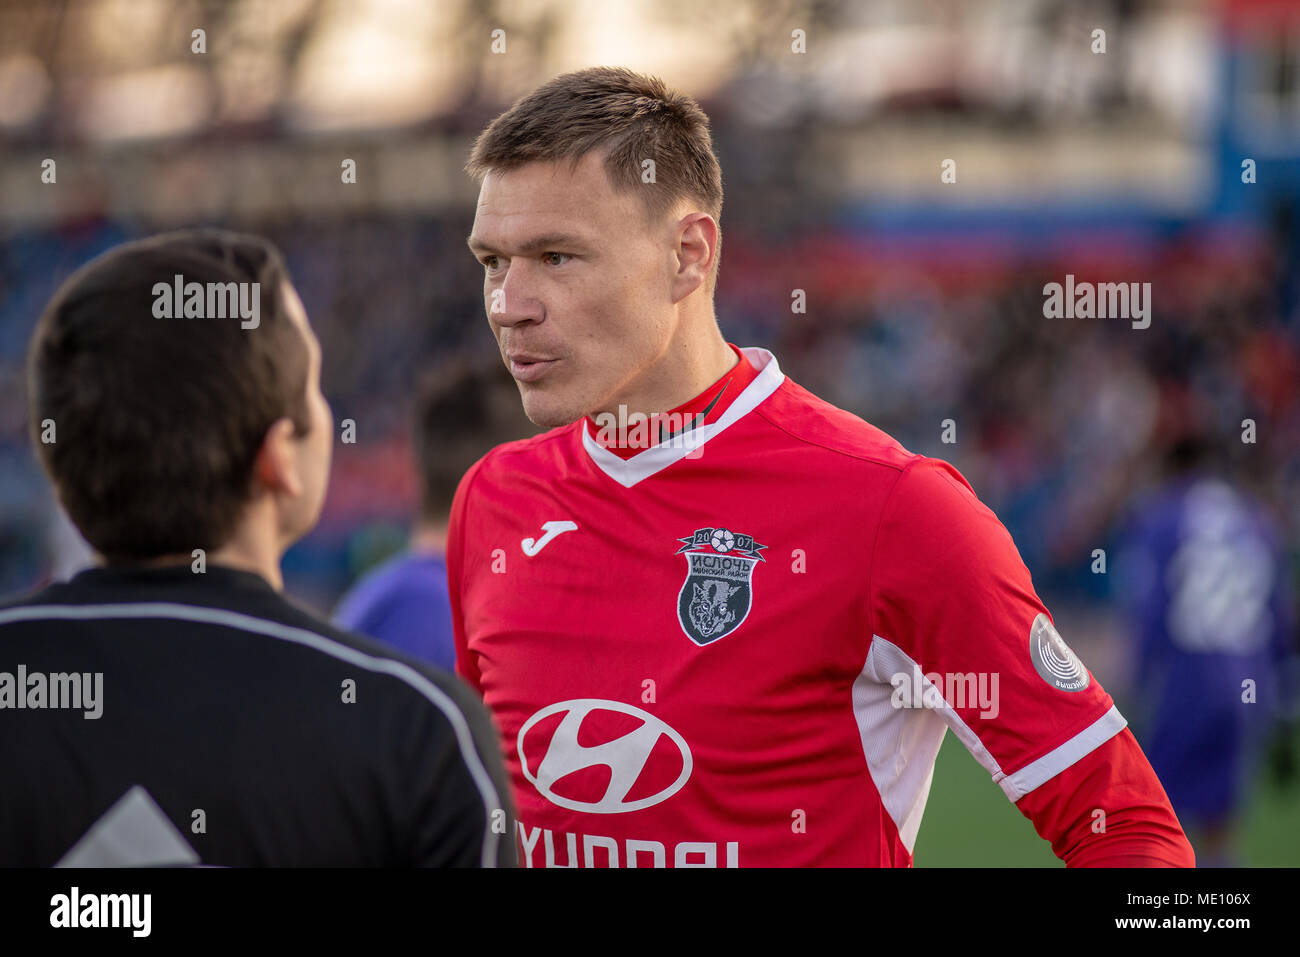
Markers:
point(625, 756)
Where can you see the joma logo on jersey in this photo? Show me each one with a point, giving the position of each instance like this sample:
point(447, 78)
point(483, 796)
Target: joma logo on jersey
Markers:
point(716, 597)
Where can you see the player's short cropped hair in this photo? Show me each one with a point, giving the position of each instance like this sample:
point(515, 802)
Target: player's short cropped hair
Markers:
point(462, 409)
point(157, 422)
point(631, 118)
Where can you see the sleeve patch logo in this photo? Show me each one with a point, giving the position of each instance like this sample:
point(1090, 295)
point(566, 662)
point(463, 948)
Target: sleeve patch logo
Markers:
point(1055, 662)
point(716, 597)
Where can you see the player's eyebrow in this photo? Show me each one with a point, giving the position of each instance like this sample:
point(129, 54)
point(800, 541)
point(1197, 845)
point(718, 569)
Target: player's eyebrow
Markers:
point(541, 243)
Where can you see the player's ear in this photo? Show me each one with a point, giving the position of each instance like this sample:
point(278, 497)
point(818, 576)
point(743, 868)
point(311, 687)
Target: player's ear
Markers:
point(697, 243)
point(276, 466)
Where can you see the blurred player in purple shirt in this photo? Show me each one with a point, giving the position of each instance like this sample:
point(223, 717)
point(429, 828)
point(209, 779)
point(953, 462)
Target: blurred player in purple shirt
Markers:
point(1211, 609)
point(460, 413)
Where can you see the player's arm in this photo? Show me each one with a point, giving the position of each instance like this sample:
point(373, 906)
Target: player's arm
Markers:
point(466, 666)
point(950, 595)
point(1109, 810)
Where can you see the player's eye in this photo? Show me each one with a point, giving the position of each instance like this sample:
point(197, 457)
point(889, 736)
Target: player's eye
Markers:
point(489, 263)
point(549, 255)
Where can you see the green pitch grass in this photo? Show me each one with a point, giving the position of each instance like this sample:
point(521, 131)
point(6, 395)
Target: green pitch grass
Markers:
point(969, 822)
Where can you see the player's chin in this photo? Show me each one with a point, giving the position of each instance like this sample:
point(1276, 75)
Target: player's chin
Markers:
point(548, 408)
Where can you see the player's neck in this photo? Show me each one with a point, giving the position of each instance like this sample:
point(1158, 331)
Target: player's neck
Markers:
point(257, 544)
point(252, 553)
point(685, 372)
point(429, 538)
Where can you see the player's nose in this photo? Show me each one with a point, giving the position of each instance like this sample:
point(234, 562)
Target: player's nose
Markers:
point(514, 299)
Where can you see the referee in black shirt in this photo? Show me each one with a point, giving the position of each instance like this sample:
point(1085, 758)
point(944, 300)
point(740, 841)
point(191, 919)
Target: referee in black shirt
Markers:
point(171, 706)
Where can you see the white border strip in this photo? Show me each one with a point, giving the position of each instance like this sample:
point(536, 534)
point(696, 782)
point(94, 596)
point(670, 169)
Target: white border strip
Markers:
point(1054, 762)
point(300, 636)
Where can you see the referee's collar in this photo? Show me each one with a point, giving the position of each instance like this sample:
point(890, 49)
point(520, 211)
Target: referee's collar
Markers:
point(215, 576)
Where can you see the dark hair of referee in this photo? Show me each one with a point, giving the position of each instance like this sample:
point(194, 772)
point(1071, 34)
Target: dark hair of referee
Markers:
point(182, 434)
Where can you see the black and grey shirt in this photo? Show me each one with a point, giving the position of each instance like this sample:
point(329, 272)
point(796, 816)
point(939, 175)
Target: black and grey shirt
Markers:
point(160, 716)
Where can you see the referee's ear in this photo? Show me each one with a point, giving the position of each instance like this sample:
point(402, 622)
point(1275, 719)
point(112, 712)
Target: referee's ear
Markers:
point(276, 468)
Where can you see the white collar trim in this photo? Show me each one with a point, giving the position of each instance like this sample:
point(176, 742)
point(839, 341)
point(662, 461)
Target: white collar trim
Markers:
point(658, 457)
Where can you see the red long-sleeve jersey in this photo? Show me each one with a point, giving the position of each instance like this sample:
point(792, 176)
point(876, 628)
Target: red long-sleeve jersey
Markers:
point(743, 647)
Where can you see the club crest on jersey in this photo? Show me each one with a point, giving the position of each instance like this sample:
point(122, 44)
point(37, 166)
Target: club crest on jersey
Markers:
point(716, 597)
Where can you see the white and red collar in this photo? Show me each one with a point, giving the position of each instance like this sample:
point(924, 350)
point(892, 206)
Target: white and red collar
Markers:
point(658, 457)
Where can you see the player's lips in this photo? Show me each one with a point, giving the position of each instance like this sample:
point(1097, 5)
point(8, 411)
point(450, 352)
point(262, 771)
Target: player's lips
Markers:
point(529, 368)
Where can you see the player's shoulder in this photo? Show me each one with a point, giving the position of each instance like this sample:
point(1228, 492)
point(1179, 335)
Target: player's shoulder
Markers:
point(818, 425)
point(915, 480)
point(527, 453)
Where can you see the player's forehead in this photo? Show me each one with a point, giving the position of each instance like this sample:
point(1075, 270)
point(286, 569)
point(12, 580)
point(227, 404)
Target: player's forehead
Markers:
point(549, 199)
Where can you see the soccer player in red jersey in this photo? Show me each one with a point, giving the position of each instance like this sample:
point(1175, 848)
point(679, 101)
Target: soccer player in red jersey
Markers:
point(734, 634)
